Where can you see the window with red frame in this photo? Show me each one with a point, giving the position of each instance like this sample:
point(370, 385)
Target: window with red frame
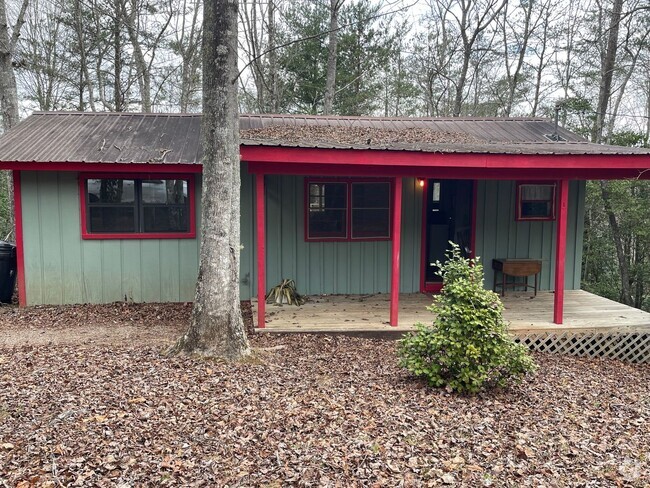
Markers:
point(348, 210)
point(137, 207)
point(535, 201)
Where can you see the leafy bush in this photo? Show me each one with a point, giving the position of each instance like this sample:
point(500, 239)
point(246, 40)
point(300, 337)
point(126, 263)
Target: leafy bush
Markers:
point(468, 347)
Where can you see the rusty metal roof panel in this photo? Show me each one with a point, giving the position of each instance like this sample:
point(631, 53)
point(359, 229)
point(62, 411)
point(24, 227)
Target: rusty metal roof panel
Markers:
point(175, 138)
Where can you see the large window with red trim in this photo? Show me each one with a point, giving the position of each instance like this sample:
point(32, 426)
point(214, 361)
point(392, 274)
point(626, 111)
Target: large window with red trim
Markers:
point(535, 201)
point(137, 206)
point(344, 210)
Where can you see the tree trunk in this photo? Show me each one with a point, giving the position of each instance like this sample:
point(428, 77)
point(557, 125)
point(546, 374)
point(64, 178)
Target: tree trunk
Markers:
point(8, 88)
point(607, 71)
point(332, 54)
point(617, 236)
point(216, 327)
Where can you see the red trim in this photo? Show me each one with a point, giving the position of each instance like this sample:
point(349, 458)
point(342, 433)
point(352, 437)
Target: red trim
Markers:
point(432, 287)
point(472, 238)
point(423, 237)
point(560, 251)
point(261, 251)
point(374, 157)
point(397, 237)
point(349, 182)
point(20, 245)
point(518, 201)
point(86, 235)
point(105, 167)
point(452, 173)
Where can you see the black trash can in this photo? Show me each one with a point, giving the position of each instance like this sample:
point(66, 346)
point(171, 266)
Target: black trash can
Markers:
point(8, 271)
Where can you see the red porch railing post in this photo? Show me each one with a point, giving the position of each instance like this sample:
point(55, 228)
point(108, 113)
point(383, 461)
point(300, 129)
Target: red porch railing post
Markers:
point(261, 249)
point(560, 250)
point(397, 235)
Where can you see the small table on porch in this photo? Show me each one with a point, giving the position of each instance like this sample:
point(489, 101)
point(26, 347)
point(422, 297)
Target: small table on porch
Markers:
point(515, 268)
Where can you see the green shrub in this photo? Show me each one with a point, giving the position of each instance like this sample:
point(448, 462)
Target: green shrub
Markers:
point(467, 348)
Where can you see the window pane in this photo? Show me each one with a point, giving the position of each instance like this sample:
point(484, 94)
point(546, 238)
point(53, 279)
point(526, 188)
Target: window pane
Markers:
point(165, 218)
point(371, 195)
point(536, 192)
point(327, 195)
point(370, 223)
point(533, 209)
point(112, 219)
point(327, 223)
point(110, 191)
point(164, 191)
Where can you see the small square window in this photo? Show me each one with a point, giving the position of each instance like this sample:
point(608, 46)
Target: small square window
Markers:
point(535, 201)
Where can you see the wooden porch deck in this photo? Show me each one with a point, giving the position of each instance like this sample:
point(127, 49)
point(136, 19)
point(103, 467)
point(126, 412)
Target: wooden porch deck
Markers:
point(583, 312)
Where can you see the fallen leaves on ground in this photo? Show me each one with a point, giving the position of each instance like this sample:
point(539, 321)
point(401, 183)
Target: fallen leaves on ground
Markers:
point(308, 411)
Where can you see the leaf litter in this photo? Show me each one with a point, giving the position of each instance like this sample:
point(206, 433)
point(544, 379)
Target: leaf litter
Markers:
point(308, 411)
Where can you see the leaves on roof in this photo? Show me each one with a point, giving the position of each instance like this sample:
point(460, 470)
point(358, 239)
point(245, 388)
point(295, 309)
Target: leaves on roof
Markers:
point(357, 135)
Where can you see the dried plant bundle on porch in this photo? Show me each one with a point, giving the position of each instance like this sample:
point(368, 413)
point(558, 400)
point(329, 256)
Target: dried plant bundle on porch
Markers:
point(285, 292)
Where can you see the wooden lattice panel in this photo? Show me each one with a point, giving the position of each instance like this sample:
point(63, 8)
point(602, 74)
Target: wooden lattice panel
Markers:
point(631, 347)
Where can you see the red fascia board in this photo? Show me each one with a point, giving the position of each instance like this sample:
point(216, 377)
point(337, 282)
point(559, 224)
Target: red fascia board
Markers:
point(445, 172)
point(373, 157)
point(104, 167)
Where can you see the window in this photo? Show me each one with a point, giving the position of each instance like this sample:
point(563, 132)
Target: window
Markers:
point(347, 210)
point(137, 207)
point(535, 201)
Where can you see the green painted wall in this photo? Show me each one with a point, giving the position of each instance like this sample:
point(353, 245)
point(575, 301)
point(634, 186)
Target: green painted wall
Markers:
point(63, 268)
point(60, 267)
point(324, 267)
point(498, 235)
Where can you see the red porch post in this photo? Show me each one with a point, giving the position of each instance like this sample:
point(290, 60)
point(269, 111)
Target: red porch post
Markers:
point(560, 250)
point(261, 249)
point(397, 235)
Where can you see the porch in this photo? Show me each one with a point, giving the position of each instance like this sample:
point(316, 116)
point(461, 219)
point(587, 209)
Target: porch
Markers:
point(584, 312)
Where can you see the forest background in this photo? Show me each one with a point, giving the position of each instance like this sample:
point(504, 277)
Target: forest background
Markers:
point(586, 61)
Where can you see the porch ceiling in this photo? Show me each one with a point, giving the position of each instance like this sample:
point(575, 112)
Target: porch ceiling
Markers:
point(583, 312)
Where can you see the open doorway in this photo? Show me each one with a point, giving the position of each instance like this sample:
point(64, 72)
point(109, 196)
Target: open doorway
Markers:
point(447, 216)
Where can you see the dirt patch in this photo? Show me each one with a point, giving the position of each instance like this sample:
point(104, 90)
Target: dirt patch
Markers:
point(110, 324)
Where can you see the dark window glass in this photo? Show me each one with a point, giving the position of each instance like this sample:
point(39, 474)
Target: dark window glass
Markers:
point(165, 219)
point(536, 201)
point(370, 195)
point(370, 210)
point(538, 210)
point(327, 210)
point(111, 191)
point(164, 191)
point(112, 219)
point(367, 223)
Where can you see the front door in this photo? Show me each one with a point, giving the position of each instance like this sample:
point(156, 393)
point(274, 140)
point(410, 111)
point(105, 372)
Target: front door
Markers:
point(447, 217)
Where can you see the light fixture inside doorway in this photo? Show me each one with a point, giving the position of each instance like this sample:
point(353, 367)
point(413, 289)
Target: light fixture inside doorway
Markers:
point(421, 182)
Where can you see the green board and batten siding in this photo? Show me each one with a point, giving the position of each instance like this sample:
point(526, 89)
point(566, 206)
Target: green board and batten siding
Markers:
point(63, 268)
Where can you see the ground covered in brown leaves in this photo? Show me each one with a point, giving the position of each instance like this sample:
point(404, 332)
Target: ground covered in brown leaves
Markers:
point(304, 411)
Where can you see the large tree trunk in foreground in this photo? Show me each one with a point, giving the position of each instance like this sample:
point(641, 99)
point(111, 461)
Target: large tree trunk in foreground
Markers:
point(217, 327)
point(8, 89)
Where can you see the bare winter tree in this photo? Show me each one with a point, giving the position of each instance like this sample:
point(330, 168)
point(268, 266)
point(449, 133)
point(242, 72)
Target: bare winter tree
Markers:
point(332, 54)
point(8, 89)
point(216, 327)
point(607, 67)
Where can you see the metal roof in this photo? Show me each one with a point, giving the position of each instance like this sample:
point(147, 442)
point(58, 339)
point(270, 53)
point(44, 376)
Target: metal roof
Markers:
point(175, 138)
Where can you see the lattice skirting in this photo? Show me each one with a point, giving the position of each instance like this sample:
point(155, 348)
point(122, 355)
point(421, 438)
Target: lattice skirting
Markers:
point(631, 347)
